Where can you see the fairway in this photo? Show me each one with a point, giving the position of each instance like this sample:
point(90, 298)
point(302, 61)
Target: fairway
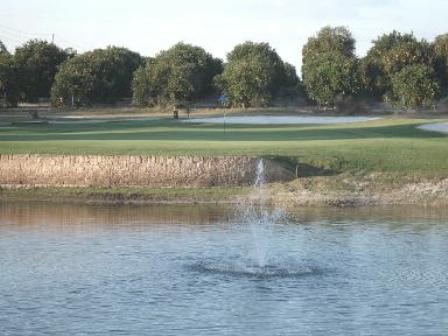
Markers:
point(384, 145)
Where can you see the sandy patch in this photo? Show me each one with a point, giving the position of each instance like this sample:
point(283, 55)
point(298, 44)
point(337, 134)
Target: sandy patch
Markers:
point(281, 120)
point(441, 128)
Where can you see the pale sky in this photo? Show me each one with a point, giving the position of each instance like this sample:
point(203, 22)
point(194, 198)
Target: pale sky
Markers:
point(150, 26)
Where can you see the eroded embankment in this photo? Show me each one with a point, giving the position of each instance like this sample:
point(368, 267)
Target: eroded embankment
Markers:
point(138, 170)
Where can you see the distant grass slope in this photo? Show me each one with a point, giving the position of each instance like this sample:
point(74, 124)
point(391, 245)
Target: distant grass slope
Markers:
point(387, 145)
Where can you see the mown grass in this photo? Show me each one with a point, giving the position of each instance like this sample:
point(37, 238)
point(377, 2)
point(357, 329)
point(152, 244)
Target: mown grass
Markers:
point(386, 145)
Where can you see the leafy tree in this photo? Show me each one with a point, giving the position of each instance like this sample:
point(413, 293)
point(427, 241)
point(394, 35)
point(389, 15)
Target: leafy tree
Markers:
point(329, 38)
point(390, 54)
point(331, 75)
point(37, 62)
point(9, 90)
point(291, 79)
point(291, 86)
point(267, 56)
point(330, 68)
point(246, 83)
point(254, 74)
point(98, 76)
point(141, 90)
point(3, 49)
point(183, 72)
point(414, 86)
point(440, 47)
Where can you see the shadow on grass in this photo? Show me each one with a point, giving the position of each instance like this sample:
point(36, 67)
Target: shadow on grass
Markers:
point(301, 169)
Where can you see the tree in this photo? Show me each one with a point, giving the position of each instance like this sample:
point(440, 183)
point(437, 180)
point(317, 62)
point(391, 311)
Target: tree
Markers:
point(330, 68)
point(329, 38)
point(440, 47)
point(390, 54)
point(3, 49)
point(37, 63)
point(141, 90)
point(254, 74)
point(9, 91)
point(414, 86)
point(291, 79)
point(246, 83)
point(183, 72)
point(98, 76)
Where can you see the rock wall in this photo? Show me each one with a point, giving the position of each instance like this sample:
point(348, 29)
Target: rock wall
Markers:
point(124, 170)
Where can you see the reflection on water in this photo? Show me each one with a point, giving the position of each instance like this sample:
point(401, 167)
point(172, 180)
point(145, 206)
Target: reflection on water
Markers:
point(46, 216)
point(189, 270)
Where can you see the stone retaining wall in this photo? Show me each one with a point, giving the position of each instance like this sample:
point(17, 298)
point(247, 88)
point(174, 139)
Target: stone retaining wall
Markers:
point(124, 170)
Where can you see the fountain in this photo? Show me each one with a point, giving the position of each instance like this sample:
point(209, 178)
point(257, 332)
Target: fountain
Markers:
point(257, 256)
point(258, 218)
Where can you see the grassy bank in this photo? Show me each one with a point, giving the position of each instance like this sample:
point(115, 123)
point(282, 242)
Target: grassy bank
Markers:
point(382, 161)
point(341, 190)
point(126, 195)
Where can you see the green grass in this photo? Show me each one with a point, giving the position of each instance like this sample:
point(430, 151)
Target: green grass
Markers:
point(124, 194)
point(386, 145)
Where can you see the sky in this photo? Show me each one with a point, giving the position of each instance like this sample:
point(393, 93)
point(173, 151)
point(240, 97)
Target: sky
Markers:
point(153, 25)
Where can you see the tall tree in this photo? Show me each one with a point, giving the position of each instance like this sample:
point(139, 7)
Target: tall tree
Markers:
point(183, 72)
point(101, 75)
point(3, 49)
point(390, 54)
point(37, 62)
point(291, 79)
point(440, 47)
point(414, 86)
point(330, 67)
point(329, 38)
point(9, 91)
point(254, 74)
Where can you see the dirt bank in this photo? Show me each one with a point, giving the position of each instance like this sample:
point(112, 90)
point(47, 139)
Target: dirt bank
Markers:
point(137, 170)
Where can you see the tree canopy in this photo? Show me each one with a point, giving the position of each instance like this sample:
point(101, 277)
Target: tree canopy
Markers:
point(440, 47)
point(338, 39)
point(398, 68)
point(3, 49)
point(414, 86)
point(183, 72)
point(9, 91)
point(37, 63)
point(101, 75)
point(390, 54)
point(254, 74)
point(330, 67)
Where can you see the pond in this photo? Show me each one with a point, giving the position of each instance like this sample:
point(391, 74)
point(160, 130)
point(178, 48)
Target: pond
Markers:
point(281, 120)
point(214, 270)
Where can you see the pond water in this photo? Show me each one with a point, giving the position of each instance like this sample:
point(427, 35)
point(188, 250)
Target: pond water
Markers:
point(210, 270)
point(280, 120)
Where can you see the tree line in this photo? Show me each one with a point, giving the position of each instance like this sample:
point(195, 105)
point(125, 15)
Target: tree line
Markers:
point(399, 69)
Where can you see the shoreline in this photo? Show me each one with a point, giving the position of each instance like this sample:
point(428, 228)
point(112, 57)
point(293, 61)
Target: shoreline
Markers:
point(333, 191)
